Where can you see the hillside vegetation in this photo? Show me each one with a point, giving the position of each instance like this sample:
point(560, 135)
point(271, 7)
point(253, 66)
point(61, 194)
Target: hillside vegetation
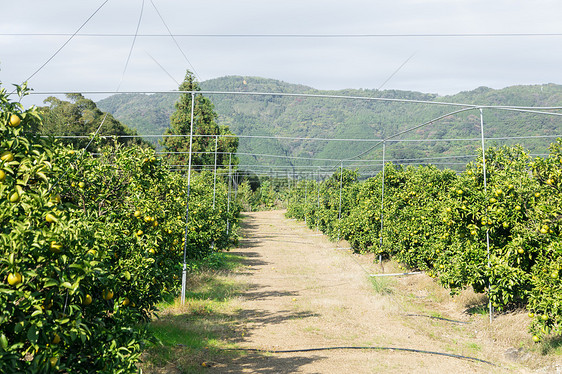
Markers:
point(295, 116)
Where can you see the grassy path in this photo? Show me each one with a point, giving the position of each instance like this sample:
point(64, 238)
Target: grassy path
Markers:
point(295, 290)
point(304, 293)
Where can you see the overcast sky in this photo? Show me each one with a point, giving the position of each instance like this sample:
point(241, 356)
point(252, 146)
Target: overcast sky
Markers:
point(437, 64)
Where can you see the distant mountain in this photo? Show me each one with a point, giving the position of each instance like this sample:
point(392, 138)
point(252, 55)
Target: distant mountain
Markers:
point(344, 118)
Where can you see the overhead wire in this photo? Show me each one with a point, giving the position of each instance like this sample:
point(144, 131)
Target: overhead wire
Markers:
point(175, 41)
point(162, 67)
point(396, 71)
point(132, 47)
point(296, 36)
point(408, 130)
point(66, 42)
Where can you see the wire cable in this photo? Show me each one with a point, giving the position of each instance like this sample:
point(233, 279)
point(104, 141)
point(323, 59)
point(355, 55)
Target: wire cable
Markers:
point(409, 130)
point(314, 139)
point(132, 46)
point(175, 41)
point(320, 96)
point(162, 67)
point(396, 71)
point(81, 155)
point(298, 36)
point(65, 43)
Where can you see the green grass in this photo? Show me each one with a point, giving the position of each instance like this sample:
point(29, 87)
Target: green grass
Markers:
point(551, 345)
point(217, 261)
point(474, 347)
point(201, 329)
point(478, 309)
point(382, 285)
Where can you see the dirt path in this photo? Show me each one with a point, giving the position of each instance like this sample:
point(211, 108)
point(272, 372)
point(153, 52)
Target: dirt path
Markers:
point(305, 293)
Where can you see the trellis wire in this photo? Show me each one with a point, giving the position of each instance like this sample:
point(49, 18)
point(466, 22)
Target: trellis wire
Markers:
point(466, 108)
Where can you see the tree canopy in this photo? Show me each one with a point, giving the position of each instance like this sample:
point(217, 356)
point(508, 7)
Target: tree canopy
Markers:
point(205, 130)
point(80, 117)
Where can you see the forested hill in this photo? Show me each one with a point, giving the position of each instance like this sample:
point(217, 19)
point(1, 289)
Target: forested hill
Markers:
point(295, 116)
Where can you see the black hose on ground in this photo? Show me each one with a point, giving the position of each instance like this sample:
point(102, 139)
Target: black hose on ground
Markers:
point(371, 348)
point(433, 317)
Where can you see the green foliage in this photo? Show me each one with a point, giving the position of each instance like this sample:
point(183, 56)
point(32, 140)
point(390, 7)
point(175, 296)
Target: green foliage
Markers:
point(80, 117)
point(89, 246)
point(440, 222)
point(360, 119)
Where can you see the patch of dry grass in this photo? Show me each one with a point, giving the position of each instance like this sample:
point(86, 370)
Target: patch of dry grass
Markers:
point(506, 338)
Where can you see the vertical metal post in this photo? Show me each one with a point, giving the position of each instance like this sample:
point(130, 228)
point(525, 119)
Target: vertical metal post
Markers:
point(215, 171)
point(382, 199)
point(289, 190)
point(235, 183)
point(490, 308)
point(228, 200)
point(305, 198)
point(339, 210)
point(184, 268)
point(318, 202)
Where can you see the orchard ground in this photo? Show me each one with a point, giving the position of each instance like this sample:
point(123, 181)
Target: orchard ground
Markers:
point(293, 289)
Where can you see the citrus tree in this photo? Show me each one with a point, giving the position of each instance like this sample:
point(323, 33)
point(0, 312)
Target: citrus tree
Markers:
point(499, 234)
point(89, 244)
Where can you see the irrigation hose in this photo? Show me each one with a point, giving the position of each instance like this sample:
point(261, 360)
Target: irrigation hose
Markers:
point(362, 348)
point(434, 317)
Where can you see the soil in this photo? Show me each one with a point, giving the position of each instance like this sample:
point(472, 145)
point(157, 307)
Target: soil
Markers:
point(305, 292)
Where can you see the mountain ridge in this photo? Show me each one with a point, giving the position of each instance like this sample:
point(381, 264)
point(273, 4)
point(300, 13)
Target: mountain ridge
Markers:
point(323, 117)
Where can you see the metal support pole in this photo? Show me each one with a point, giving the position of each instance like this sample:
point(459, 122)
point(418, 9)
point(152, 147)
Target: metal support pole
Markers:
point(318, 202)
point(235, 183)
point(490, 308)
point(228, 200)
point(339, 211)
point(305, 198)
point(382, 199)
point(215, 171)
point(184, 268)
point(289, 190)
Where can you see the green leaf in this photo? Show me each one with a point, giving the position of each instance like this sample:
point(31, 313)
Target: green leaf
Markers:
point(66, 285)
point(51, 283)
point(32, 335)
point(36, 313)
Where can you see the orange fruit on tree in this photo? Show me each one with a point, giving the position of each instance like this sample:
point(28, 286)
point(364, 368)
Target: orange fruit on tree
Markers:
point(87, 300)
point(14, 279)
point(7, 156)
point(15, 120)
point(14, 197)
